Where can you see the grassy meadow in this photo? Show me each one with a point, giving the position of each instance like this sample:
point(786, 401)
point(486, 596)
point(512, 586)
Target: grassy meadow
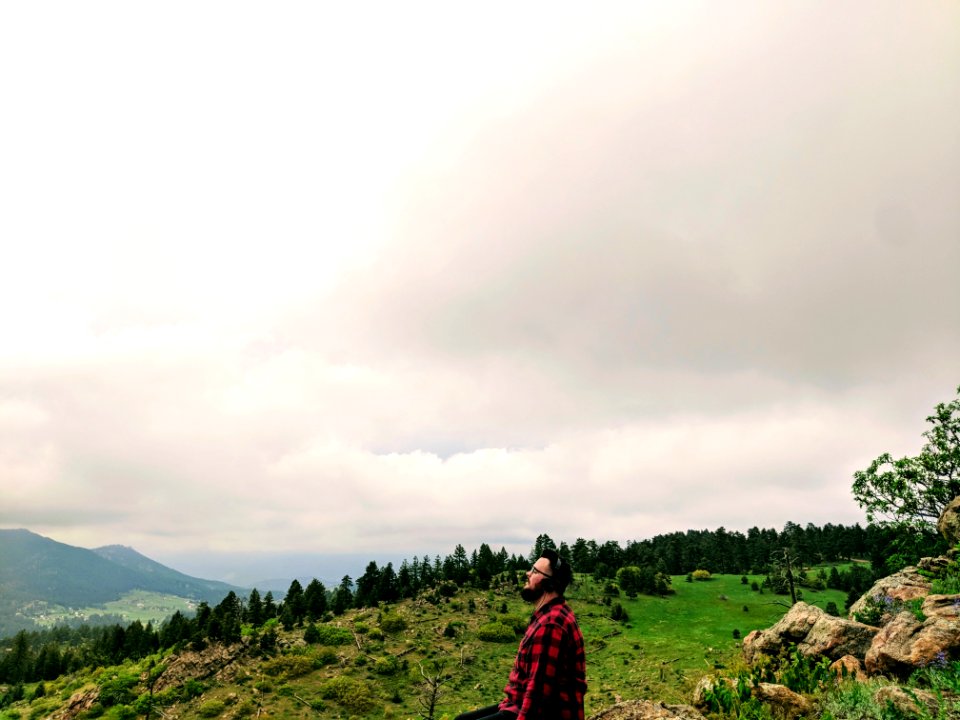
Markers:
point(366, 669)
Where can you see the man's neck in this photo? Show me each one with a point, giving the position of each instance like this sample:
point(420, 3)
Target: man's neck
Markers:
point(544, 599)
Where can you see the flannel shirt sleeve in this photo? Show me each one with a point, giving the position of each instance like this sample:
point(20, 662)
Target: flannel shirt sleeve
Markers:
point(544, 658)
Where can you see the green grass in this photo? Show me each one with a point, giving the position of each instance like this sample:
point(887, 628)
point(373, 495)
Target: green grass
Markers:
point(668, 643)
point(136, 605)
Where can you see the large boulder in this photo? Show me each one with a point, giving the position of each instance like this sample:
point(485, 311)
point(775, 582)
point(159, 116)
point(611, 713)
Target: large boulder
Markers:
point(814, 632)
point(647, 710)
point(905, 644)
point(945, 606)
point(893, 591)
point(949, 522)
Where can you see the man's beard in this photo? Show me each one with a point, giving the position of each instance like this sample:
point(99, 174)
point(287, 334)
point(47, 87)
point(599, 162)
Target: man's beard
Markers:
point(531, 594)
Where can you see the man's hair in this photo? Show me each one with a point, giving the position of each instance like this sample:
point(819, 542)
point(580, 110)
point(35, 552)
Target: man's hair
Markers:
point(560, 570)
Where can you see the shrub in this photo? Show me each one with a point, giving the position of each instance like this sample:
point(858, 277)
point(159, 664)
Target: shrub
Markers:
point(354, 695)
point(325, 656)
point(618, 614)
point(496, 632)
point(193, 688)
point(453, 627)
point(211, 708)
point(387, 665)
point(392, 623)
point(289, 666)
point(701, 575)
point(331, 635)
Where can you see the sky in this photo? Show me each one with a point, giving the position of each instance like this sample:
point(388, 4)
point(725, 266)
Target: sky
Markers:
point(304, 279)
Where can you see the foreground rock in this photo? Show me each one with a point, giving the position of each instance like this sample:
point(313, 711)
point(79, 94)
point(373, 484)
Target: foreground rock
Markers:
point(647, 710)
point(814, 632)
point(785, 702)
point(905, 644)
point(896, 589)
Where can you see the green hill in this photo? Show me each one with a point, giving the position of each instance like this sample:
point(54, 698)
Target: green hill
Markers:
point(365, 664)
point(37, 573)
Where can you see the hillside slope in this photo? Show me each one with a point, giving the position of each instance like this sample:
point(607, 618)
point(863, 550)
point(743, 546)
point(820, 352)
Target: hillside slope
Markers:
point(37, 570)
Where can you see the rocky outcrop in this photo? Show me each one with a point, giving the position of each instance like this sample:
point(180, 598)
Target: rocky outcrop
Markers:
point(647, 710)
point(905, 644)
point(214, 661)
point(894, 590)
point(79, 702)
point(949, 522)
point(945, 606)
point(814, 632)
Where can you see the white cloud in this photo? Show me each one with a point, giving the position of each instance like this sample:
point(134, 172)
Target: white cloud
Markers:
point(308, 279)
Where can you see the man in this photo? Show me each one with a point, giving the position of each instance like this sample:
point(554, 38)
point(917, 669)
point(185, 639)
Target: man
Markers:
point(548, 680)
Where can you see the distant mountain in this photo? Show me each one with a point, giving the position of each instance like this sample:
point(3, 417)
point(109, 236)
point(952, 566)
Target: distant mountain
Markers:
point(36, 569)
point(165, 579)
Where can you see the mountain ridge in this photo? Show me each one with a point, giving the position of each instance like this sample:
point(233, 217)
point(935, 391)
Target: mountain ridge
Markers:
point(38, 570)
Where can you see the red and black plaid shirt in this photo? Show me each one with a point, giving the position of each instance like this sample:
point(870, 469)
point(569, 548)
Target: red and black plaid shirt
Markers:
point(549, 676)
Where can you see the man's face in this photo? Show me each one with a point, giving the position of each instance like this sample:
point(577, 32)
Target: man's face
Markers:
point(540, 571)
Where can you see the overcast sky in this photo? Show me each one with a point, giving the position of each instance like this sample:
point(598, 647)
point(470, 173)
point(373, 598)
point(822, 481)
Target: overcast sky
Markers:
point(387, 277)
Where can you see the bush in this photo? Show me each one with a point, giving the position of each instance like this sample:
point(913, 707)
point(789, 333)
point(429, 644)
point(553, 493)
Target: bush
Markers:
point(289, 666)
point(325, 656)
point(496, 632)
point(211, 708)
point(392, 623)
point(701, 575)
point(333, 636)
point(387, 665)
point(354, 695)
point(453, 628)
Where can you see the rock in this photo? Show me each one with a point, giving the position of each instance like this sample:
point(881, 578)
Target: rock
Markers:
point(849, 666)
point(934, 565)
point(814, 632)
point(706, 686)
point(900, 588)
point(945, 606)
point(786, 702)
point(647, 710)
point(214, 660)
point(79, 702)
point(905, 644)
point(914, 703)
point(949, 522)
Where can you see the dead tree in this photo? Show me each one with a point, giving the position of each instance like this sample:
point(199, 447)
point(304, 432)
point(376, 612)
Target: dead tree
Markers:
point(432, 686)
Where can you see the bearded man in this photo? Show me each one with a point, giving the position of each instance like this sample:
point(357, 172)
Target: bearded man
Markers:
point(548, 680)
